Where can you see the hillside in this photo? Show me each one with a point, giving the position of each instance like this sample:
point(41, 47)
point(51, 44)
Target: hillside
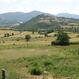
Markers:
point(15, 18)
point(44, 21)
point(47, 21)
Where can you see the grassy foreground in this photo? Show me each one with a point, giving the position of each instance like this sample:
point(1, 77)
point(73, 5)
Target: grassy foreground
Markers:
point(18, 59)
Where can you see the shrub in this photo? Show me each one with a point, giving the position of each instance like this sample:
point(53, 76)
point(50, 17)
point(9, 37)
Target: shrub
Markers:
point(47, 63)
point(62, 39)
point(12, 34)
point(6, 35)
point(46, 35)
point(36, 71)
point(27, 37)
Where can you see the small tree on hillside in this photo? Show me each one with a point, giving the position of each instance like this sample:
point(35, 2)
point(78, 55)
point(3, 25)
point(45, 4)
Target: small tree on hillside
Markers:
point(27, 38)
point(62, 38)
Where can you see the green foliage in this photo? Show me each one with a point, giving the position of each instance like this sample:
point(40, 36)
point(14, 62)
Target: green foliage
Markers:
point(47, 63)
point(6, 35)
point(62, 38)
point(27, 37)
point(62, 61)
point(37, 23)
point(36, 71)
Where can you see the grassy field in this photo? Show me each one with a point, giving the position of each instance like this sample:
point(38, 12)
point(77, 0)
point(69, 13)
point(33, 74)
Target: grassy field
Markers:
point(18, 59)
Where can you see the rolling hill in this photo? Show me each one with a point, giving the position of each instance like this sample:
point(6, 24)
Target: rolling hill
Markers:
point(46, 21)
point(37, 20)
point(15, 18)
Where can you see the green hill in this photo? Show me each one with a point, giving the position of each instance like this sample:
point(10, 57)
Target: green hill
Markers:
point(46, 21)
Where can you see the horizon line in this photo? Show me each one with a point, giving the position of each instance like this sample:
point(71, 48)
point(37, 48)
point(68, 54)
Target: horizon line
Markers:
point(38, 11)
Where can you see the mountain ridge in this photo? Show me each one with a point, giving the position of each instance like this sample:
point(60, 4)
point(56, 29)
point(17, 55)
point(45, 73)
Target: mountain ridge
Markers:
point(14, 18)
point(68, 15)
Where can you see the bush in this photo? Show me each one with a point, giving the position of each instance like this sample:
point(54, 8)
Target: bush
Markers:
point(12, 34)
point(46, 35)
point(36, 71)
point(62, 39)
point(27, 37)
point(47, 63)
point(55, 35)
point(6, 35)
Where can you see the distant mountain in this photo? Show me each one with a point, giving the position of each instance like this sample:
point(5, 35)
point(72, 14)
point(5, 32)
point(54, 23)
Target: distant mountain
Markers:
point(46, 21)
point(32, 19)
point(15, 18)
point(67, 15)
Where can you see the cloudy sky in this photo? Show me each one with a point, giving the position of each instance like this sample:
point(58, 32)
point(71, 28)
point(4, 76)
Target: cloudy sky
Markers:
point(48, 6)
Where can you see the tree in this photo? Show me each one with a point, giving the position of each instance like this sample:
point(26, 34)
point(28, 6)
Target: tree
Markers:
point(62, 39)
point(46, 35)
point(33, 32)
point(12, 34)
point(6, 35)
point(27, 38)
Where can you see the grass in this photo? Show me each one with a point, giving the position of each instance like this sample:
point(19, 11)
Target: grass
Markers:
point(57, 63)
point(18, 59)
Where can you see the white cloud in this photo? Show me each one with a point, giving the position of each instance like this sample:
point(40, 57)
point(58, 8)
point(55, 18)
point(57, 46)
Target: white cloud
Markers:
point(51, 6)
point(63, 0)
point(8, 1)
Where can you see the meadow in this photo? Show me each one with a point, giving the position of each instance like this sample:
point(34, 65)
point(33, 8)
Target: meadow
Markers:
point(18, 59)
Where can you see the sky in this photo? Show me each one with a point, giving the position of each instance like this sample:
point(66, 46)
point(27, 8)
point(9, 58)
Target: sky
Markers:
point(47, 6)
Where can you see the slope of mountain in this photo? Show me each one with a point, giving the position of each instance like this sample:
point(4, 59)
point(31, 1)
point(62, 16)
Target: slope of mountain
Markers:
point(67, 15)
point(14, 18)
point(46, 21)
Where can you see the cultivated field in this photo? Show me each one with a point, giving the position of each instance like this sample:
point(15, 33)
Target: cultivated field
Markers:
point(62, 62)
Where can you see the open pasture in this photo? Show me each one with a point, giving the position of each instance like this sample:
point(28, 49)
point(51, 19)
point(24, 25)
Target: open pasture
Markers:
point(15, 55)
